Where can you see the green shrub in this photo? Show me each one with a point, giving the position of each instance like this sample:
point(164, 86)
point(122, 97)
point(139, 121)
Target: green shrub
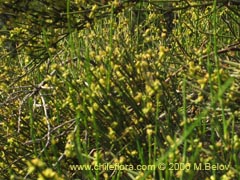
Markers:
point(120, 82)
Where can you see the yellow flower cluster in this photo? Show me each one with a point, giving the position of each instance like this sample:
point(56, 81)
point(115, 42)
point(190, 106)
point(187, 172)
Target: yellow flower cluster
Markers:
point(43, 171)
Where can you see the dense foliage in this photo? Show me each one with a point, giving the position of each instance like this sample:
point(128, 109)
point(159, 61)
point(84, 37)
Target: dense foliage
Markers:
point(130, 82)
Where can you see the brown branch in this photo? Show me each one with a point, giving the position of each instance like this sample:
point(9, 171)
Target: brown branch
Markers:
point(232, 47)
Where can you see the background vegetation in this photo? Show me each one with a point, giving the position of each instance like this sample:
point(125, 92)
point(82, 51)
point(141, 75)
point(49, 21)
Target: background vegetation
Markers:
point(128, 82)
